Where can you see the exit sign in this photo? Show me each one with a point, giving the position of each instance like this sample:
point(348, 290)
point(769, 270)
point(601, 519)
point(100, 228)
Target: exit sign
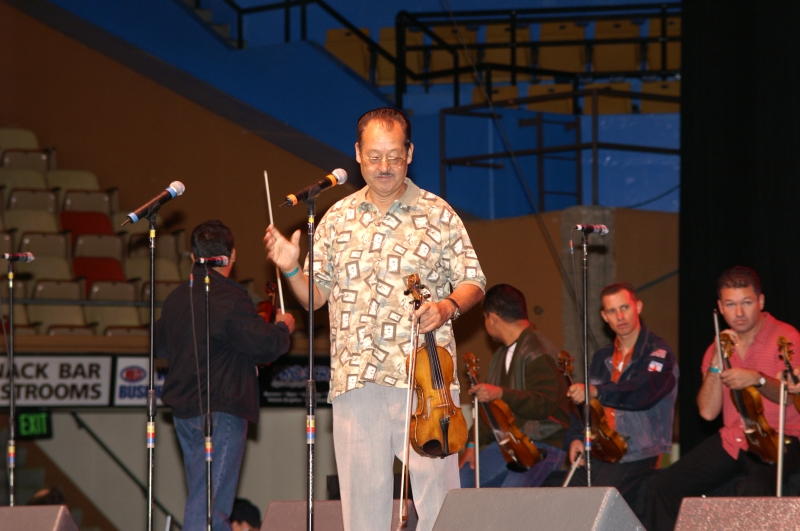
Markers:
point(34, 425)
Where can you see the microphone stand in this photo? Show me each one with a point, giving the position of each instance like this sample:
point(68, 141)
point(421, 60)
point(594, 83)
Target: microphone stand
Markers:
point(151, 390)
point(311, 387)
point(781, 434)
point(12, 448)
point(587, 419)
point(208, 421)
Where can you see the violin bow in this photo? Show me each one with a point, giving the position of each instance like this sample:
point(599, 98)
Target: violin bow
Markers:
point(271, 222)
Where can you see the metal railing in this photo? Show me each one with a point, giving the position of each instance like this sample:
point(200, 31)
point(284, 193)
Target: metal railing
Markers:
point(82, 425)
point(425, 22)
point(541, 151)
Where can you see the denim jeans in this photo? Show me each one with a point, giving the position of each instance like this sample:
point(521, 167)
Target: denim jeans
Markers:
point(495, 474)
point(228, 438)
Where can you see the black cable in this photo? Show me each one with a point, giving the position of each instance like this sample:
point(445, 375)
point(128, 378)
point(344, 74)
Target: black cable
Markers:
point(520, 175)
point(194, 341)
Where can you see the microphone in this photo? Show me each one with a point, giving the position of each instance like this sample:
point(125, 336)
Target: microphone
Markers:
point(214, 261)
point(337, 176)
point(175, 188)
point(602, 230)
point(18, 257)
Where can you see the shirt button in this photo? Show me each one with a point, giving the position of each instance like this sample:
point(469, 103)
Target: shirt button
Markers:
point(738, 439)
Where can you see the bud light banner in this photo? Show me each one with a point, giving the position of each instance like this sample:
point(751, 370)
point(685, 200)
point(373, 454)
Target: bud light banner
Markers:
point(132, 382)
point(283, 382)
point(57, 381)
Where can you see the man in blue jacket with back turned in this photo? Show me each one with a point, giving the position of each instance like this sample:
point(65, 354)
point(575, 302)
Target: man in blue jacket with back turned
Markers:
point(635, 380)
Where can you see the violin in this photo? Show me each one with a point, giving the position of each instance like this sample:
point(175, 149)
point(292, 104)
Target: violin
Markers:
point(437, 427)
point(267, 308)
point(518, 450)
point(607, 444)
point(784, 345)
point(762, 440)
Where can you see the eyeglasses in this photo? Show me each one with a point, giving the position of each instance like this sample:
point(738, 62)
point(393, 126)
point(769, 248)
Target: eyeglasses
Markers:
point(394, 162)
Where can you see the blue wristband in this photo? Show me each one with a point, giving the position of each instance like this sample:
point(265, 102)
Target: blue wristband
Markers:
point(715, 370)
point(470, 445)
point(291, 273)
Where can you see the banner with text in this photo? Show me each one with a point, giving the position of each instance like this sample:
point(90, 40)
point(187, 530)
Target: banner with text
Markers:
point(132, 381)
point(58, 381)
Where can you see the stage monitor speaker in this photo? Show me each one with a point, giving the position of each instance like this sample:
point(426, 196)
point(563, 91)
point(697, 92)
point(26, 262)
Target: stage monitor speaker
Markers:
point(37, 518)
point(291, 516)
point(753, 514)
point(544, 509)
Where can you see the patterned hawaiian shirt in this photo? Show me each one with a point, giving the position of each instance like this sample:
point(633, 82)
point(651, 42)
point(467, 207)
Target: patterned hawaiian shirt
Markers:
point(362, 260)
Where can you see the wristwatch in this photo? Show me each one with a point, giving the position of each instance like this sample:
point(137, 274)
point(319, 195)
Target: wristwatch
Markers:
point(761, 381)
point(457, 312)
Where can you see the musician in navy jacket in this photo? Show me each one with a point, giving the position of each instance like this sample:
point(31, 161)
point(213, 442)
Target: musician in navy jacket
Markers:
point(635, 380)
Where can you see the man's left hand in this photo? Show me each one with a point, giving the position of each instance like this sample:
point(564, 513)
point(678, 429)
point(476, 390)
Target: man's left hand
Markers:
point(486, 392)
point(432, 315)
point(738, 378)
point(576, 393)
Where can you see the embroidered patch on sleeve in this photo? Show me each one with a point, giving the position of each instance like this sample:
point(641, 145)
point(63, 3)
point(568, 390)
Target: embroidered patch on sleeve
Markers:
point(660, 353)
point(655, 366)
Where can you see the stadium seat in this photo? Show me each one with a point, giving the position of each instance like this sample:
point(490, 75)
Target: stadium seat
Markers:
point(57, 289)
point(21, 220)
point(93, 269)
point(166, 246)
point(570, 58)
point(123, 318)
point(12, 178)
point(501, 34)
point(87, 201)
point(349, 49)
point(44, 267)
point(45, 244)
point(385, 74)
point(63, 180)
point(443, 59)
point(98, 245)
point(562, 106)
point(616, 57)
point(20, 149)
point(85, 223)
point(673, 48)
point(15, 138)
point(58, 319)
point(6, 246)
point(139, 269)
point(498, 94)
point(608, 104)
point(163, 289)
point(663, 88)
point(20, 313)
point(32, 199)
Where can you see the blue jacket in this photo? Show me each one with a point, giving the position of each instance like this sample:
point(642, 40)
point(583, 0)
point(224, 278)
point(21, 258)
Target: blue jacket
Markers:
point(644, 397)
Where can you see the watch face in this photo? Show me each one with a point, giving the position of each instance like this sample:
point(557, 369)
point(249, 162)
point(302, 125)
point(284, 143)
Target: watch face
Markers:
point(762, 381)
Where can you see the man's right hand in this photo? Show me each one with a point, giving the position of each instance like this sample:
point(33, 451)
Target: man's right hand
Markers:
point(575, 450)
point(467, 456)
point(287, 319)
point(283, 252)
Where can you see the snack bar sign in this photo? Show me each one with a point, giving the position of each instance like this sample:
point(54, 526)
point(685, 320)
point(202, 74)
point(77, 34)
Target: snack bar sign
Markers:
point(58, 381)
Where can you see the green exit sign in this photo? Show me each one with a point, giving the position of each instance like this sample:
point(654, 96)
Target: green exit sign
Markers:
point(34, 425)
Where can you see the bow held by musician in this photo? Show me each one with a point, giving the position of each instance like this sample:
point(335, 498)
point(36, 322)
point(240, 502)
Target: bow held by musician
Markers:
point(524, 375)
point(366, 246)
point(753, 363)
point(635, 380)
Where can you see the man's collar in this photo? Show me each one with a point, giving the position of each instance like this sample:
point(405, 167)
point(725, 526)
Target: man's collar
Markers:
point(409, 198)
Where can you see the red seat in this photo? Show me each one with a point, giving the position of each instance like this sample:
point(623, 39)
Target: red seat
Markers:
point(85, 223)
point(97, 268)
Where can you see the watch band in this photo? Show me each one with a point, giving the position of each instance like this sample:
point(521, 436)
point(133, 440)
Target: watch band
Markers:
point(457, 311)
